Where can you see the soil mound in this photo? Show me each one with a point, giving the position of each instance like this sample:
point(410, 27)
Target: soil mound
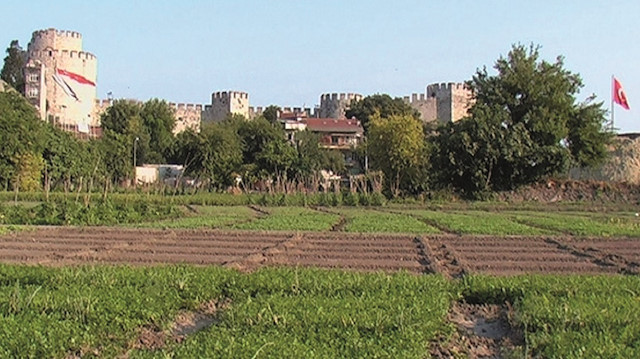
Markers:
point(570, 190)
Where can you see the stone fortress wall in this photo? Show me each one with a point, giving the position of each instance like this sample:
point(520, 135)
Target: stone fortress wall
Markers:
point(53, 49)
point(444, 102)
point(335, 105)
point(48, 51)
point(188, 115)
point(224, 103)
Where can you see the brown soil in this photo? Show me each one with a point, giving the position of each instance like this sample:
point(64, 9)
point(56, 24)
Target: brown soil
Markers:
point(482, 331)
point(451, 255)
point(185, 323)
point(570, 190)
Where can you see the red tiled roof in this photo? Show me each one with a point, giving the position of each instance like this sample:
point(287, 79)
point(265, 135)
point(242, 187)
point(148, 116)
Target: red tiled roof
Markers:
point(333, 125)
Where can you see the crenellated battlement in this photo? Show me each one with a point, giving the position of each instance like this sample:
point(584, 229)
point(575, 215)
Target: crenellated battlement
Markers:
point(56, 40)
point(450, 86)
point(340, 96)
point(230, 94)
point(82, 55)
point(415, 97)
point(57, 33)
point(186, 106)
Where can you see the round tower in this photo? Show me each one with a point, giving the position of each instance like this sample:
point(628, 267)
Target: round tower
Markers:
point(69, 83)
point(335, 105)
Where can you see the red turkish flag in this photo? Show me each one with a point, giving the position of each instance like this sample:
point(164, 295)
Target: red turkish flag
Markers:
point(619, 96)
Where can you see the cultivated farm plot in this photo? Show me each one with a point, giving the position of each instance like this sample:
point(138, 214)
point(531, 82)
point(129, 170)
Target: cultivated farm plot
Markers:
point(447, 254)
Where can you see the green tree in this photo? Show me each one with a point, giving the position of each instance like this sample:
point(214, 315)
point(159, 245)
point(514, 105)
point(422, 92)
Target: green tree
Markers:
point(123, 131)
point(221, 155)
point(13, 69)
point(158, 120)
point(66, 158)
point(28, 174)
point(20, 134)
point(214, 155)
point(255, 135)
point(383, 105)
point(115, 151)
point(277, 158)
point(334, 161)
point(525, 124)
point(396, 146)
point(271, 113)
point(311, 157)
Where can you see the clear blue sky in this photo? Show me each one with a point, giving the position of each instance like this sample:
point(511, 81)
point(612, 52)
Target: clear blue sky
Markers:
point(289, 52)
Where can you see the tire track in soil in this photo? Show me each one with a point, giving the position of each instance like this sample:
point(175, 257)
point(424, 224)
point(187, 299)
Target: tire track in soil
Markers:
point(444, 259)
point(253, 261)
point(427, 259)
point(338, 226)
point(541, 227)
point(259, 213)
point(598, 257)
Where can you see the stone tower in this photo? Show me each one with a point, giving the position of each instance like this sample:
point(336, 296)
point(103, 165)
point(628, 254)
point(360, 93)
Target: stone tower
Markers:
point(60, 79)
point(224, 103)
point(445, 102)
point(335, 105)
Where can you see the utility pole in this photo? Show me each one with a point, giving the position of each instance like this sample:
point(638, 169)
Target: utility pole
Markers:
point(135, 142)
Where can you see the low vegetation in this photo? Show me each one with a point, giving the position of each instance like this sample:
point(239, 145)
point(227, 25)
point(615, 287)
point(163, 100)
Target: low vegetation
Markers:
point(569, 316)
point(275, 312)
point(363, 220)
point(78, 213)
point(205, 217)
point(291, 219)
point(102, 311)
point(476, 222)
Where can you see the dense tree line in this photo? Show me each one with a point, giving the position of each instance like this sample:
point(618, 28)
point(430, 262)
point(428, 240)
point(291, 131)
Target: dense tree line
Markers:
point(37, 155)
point(525, 124)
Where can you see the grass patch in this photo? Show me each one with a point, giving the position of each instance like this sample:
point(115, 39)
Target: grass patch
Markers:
point(569, 316)
point(291, 219)
point(205, 217)
point(324, 314)
point(478, 222)
point(584, 224)
point(56, 312)
point(371, 221)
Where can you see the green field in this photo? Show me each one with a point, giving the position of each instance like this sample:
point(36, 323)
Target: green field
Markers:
point(95, 311)
point(100, 311)
point(475, 221)
point(372, 221)
point(291, 219)
point(200, 217)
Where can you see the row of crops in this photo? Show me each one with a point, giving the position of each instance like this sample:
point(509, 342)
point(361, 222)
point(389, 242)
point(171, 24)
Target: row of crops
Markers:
point(100, 311)
point(403, 220)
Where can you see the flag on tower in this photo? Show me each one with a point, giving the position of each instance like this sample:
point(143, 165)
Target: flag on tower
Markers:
point(619, 96)
point(80, 98)
point(71, 82)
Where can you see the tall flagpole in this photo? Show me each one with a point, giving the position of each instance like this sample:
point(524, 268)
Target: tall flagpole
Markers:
point(612, 79)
